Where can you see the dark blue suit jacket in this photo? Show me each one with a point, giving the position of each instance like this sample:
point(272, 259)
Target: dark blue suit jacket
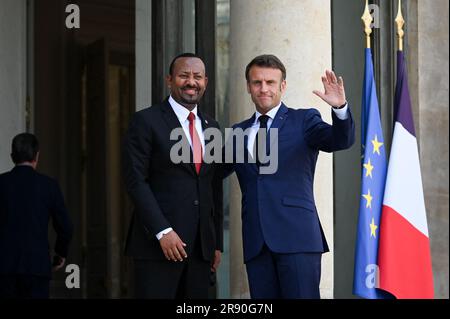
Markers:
point(28, 200)
point(279, 209)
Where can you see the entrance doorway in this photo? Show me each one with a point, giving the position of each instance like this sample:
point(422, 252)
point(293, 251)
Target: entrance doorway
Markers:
point(84, 96)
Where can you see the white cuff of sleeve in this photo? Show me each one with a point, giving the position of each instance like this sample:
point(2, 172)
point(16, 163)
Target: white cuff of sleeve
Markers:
point(164, 232)
point(341, 114)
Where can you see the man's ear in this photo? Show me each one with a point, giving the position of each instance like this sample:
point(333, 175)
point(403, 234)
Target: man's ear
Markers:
point(35, 161)
point(169, 81)
point(283, 86)
point(206, 81)
point(248, 88)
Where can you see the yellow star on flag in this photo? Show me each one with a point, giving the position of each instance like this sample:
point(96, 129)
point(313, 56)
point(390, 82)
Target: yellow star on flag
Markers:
point(373, 228)
point(369, 169)
point(368, 198)
point(376, 145)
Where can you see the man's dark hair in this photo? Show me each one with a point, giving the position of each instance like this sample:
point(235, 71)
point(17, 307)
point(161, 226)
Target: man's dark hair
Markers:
point(182, 55)
point(266, 61)
point(24, 148)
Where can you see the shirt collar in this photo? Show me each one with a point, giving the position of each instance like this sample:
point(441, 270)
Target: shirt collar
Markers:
point(25, 164)
point(271, 114)
point(181, 112)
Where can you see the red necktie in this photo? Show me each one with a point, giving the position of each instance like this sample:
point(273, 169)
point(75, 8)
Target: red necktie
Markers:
point(196, 144)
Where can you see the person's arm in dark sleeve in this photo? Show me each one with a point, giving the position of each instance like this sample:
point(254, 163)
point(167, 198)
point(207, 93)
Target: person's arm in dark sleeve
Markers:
point(61, 222)
point(136, 157)
point(228, 162)
point(218, 209)
point(329, 138)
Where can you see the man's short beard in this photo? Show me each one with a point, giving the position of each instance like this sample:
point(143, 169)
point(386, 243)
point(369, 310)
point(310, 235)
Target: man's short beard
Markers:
point(191, 102)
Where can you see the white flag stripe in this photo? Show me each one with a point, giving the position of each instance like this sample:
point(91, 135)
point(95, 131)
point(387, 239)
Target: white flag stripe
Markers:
point(403, 191)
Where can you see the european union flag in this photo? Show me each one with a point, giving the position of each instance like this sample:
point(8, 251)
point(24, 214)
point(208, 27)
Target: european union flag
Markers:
point(373, 164)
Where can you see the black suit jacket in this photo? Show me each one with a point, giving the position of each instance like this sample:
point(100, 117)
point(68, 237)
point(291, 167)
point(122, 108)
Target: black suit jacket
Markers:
point(28, 200)
point(167, 194)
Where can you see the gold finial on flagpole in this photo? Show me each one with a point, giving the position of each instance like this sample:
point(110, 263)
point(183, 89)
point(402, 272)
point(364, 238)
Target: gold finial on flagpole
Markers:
point(400, 23)
point(367, 20)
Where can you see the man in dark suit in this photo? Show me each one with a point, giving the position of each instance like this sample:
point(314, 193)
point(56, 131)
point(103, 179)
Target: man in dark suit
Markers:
point(28, 200)
point(282, 235)
point(176, 234)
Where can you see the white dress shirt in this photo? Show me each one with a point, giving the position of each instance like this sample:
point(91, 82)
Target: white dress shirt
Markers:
point(255, 126)
point(341, 114)
point(182, 114)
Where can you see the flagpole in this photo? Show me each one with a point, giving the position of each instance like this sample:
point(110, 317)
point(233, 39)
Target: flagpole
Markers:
point(367, 21)
point(400, 23)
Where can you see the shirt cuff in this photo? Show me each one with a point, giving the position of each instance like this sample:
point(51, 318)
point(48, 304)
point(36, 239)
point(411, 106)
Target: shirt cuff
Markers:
point(341, 114)
point(164, 232)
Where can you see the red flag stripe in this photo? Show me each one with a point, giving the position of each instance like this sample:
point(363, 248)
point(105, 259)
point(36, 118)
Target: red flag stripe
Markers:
point(404, 258)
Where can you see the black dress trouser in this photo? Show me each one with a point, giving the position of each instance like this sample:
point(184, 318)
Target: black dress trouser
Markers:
point(164, 279)
point(24, 286)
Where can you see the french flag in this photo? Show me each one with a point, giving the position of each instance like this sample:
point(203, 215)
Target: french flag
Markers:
point(404, 257)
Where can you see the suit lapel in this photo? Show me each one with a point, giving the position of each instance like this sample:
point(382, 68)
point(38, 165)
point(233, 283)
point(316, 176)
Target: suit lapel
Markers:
point(246, 125)
point(278, 122)
point(204, 168)
point(172, 122)
point(170, 117)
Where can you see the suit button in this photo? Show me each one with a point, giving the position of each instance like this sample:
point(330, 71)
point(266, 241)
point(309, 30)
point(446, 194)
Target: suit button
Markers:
point(196, 202)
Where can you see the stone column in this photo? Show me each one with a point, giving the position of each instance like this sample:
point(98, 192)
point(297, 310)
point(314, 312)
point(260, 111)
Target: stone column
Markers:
point(432, 124)
point(427, 57)
point(299, 33)
point(12, 75)
point(143, 54)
